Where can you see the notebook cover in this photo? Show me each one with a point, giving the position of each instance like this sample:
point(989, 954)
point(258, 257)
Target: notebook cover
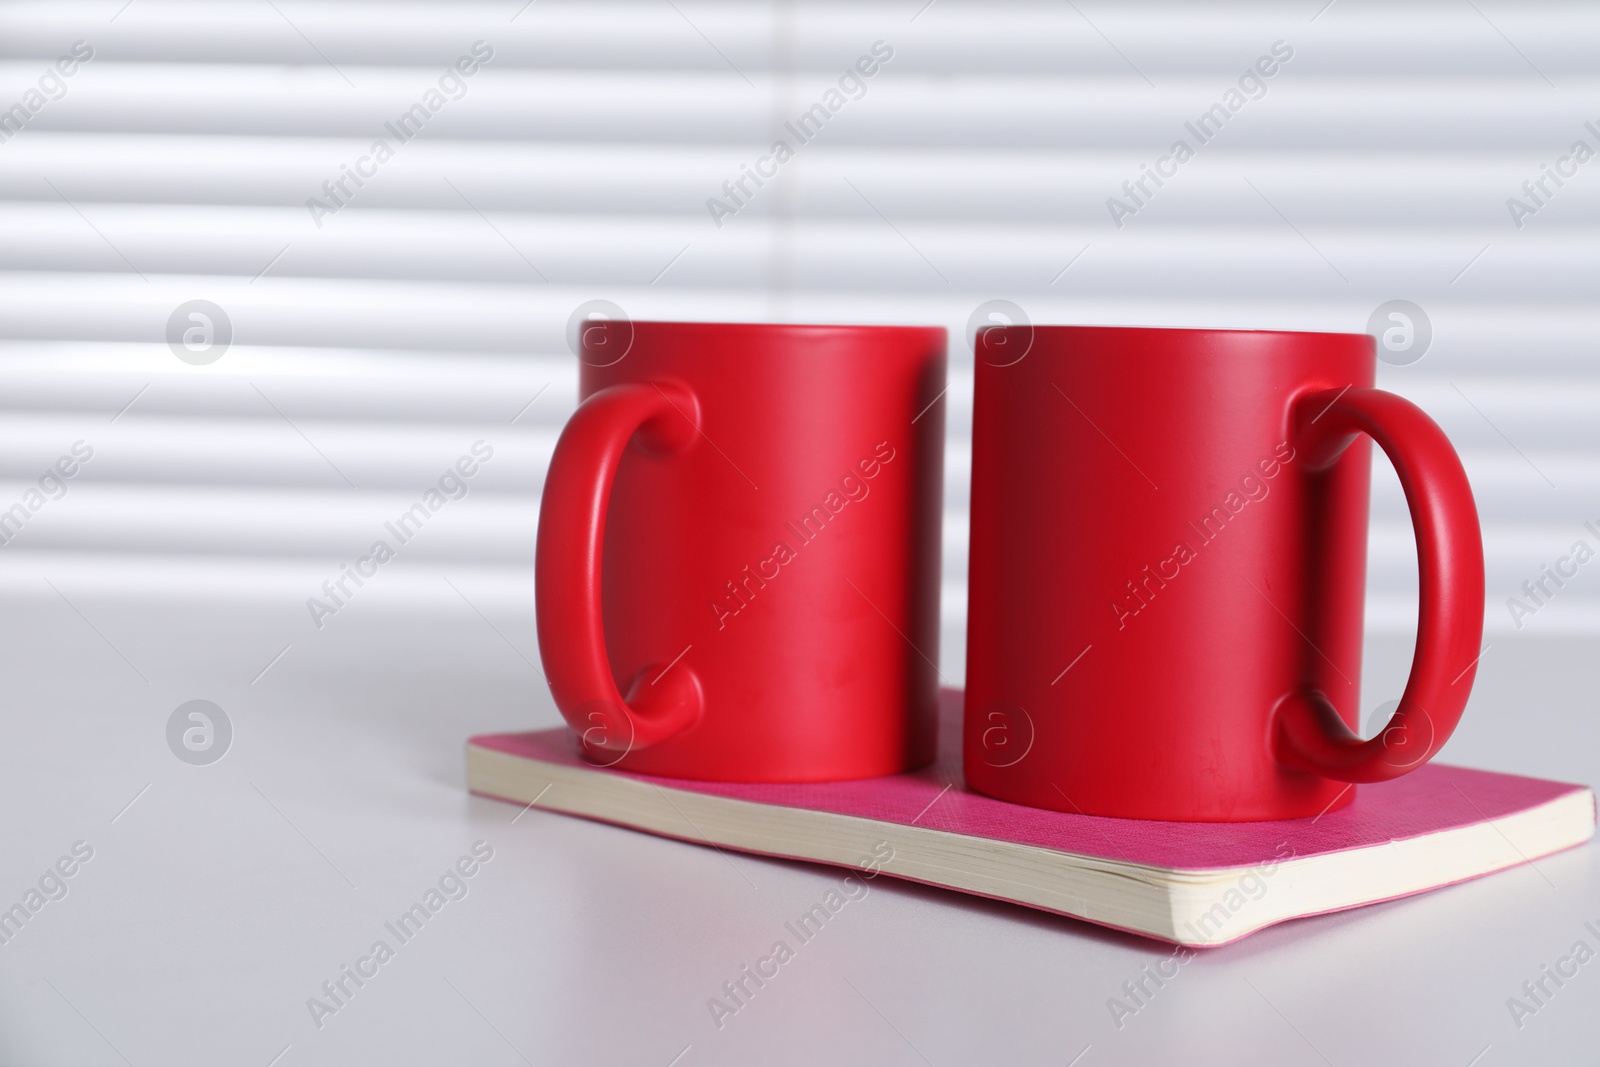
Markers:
point(1433, 798)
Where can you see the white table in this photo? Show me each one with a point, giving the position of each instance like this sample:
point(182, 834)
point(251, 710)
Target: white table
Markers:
point(222, 897)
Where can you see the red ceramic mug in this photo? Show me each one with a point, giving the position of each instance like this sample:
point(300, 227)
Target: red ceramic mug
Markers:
point(1167, 572)
point(738, 554)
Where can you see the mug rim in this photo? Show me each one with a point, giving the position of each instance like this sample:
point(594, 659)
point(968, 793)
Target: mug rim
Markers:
point(789, 326)
point(1192, 331)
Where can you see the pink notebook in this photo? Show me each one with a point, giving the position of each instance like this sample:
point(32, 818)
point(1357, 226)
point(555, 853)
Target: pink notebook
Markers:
point(1200, 884)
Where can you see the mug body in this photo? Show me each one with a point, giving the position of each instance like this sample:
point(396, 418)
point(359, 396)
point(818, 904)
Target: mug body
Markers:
point(1154, 568)
point(787, 556)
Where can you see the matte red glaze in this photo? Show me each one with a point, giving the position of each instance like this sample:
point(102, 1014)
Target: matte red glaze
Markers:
point(692, 458)
point(1167, 573)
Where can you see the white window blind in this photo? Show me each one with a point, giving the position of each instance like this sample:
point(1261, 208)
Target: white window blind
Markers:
point(375, 340)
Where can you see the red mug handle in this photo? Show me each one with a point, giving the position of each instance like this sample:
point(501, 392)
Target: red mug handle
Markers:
point(572, 521)
point(1308, 732)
